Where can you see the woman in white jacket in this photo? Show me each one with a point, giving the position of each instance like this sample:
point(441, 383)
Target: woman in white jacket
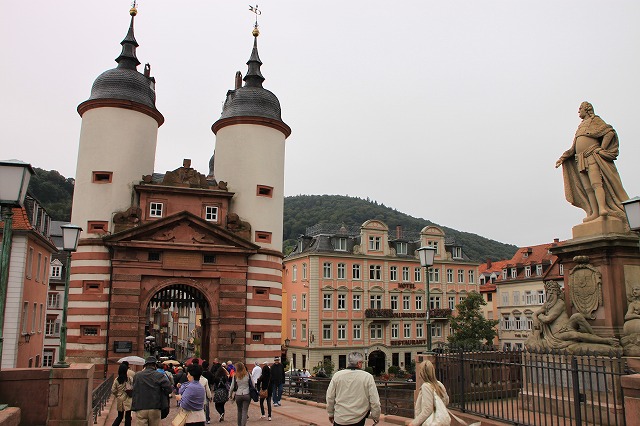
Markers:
point(425, 404)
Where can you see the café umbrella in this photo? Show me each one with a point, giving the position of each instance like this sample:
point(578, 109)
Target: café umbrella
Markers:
point(132, 360)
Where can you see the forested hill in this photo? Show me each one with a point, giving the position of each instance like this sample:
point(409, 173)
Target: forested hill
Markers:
point(302, 211)
point(55, 192)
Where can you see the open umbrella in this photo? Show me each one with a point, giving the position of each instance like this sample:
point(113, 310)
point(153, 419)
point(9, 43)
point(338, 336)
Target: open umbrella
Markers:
point(189, 361)
point(171, 362)
point(149, 338)
point(132, 360)
point(168, 349)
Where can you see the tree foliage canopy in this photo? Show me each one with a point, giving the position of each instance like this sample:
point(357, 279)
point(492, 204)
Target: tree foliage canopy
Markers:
point(469, 328)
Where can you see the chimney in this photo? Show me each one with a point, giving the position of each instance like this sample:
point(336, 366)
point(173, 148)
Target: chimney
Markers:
point(238, 80)
point(398, 231)
point(488, 263)
point(556, 240)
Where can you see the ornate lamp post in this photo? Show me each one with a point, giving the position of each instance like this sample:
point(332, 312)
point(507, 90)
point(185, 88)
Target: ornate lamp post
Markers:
point(70, 236)
point(14, 181)
point(309, 342)
point(427, 254)
point(632, 209)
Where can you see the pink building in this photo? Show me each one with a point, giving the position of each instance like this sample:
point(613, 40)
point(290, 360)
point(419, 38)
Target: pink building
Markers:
point(362, 288)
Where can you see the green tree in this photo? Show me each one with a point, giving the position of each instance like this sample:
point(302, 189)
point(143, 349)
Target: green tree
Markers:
point(469, 328)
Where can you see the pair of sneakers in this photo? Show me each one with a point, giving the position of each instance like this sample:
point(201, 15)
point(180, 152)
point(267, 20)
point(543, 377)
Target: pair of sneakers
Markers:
point(262, 417)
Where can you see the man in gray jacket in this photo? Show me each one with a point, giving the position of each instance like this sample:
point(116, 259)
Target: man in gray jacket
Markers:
point(151, 390)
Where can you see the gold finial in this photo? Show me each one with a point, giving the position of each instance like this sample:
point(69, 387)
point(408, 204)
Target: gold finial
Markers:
point(254, 9)
point(133, 11)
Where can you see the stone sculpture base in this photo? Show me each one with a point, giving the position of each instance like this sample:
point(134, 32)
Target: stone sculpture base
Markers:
point(600, 226)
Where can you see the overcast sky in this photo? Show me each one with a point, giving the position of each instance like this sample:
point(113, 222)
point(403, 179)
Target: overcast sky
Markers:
point(454, 111)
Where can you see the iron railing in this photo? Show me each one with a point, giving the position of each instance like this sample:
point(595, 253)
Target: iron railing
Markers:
point(535, 387)
point(100, 397)
point(396, 397)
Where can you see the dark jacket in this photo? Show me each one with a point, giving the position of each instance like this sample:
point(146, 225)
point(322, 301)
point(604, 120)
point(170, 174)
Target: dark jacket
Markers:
point(265, 378)
point(150, 390)
point(277, 374)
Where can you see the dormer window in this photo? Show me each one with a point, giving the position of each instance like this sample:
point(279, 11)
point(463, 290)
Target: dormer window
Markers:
point(341, 244)
point(155, 209)
point(504, 274)
point(401, 248)
point(525, 254)
point(514, 272)
point(538, 270)
point(527, 271)
point(375, 243)
point(211, 213)
point(434, 244)
point(457, 253)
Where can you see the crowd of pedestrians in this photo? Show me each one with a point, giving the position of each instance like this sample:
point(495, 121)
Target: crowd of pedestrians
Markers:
point(197, 389)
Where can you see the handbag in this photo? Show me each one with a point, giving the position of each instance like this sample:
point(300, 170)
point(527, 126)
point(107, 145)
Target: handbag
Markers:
point(264, 393)
point(220, 395)
point(181, 418)
point(440, 415)
point(253, 392)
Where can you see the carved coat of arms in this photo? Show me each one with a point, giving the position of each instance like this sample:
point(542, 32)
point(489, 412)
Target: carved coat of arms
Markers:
point(585, 287)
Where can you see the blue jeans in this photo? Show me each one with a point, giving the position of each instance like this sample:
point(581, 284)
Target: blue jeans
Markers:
point(277, 392)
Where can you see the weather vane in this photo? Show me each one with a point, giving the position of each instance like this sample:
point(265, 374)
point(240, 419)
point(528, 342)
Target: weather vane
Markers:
point(257, 11)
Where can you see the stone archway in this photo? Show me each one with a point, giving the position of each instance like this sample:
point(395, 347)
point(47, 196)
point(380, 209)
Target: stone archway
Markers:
point(178, 317)
point(377, 361)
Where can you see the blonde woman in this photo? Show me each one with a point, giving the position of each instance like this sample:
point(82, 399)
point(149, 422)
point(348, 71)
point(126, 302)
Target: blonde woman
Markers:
point(425, 404)
point(240, 384)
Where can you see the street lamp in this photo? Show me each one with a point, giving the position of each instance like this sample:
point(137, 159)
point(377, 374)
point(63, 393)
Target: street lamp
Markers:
point(70, 237)
point(14, 181)
point(632, 209)
point(426, 255)
point(309, 342)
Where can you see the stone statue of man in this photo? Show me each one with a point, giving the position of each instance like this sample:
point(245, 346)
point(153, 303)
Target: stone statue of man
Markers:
point(591, 180)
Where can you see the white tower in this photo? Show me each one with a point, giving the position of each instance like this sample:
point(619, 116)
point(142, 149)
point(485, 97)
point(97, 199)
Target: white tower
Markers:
point(249, 154)
point(117, 140)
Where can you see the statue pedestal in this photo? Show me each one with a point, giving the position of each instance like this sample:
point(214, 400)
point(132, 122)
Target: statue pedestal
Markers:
point(617, 257)
point(600, 226)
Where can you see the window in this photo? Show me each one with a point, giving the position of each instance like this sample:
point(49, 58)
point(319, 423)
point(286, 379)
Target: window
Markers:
point(375, 272)
point(374, 243)
point(472, 277)
point(97, 227)
point(394, 331)
point(405, 274)
point(434, 302)
point(326, 270)
point(304, 301)
point(294, 273)
point(89, 331)
point(294, 302)
point(39, 266)
point(155, 209)
point(434, 275)
point(303, 331)
point(25, 317)
point(452, 302)
point(406, 302)
point(518, 322)
point(457, 253)
point(29, 271)
point(561, 269)
point(505, 322)
point(401, 248)
point(393, 273)
point(489, 297)
point(326, 331)
point(461, 275)
point(514, 273)
point(434, 244)
point(342, 301)
point(418, 303)
point(40, 318)
point(102, 177)
point(419, 331)
point(394, 302)
point(356, 302)
point(342, 331)
point(263, 237)
point(375, 332)
point(56, 271)
point(341, 244)
point(505, 298)
point(342, 271)
point(538, 270)
point(326, 301)
point(406, 330)
point(357, 332)
point(417, 274)
point(257, 337)
point(527, 271)
point(294, 329)
point(47, 358)
point(462, 299)
point(355, 272)
point(529, 297)
point(211, 213)
point(52, 326)
point(53, 301)
point(436, 330)
point(506, 346)
point(541, 298)
point(449, 275)
point(516, 297)
point(304, 271)
point(529, 323)
point(264, 191)
point(375, 301)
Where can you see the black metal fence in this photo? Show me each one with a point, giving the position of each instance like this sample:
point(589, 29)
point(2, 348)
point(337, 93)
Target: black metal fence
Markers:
point(396, 397)
point(535, 388)
point(100, 397)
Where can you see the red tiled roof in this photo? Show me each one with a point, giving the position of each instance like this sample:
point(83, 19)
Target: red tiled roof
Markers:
point(20, 220)
point(536, 255)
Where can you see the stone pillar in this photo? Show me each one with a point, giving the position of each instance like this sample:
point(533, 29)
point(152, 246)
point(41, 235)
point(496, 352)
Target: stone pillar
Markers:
point(617, 259)
point(213, 326)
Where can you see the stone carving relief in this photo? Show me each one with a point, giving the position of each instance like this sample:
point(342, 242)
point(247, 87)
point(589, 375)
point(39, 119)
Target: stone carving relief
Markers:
point(554, 329)
point(182, 232)
point(238, 226)
point(631, 329)
point(187, 177)
point(585, 285)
